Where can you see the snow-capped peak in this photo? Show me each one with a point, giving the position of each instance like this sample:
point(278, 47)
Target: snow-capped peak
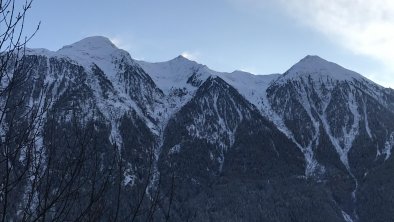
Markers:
point(97, 44)
point(98, 50)
point(181, 61)
point(181, 58)
point(316, 67)
point(95, 49)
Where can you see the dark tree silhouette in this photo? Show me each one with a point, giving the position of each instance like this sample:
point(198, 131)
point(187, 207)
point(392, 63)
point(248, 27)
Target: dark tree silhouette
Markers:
point(19, 120)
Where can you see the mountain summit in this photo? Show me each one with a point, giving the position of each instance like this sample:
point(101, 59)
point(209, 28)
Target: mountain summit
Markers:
point(316, 67)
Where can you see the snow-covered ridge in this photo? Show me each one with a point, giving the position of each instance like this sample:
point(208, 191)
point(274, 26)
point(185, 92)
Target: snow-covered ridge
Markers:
point(174, 77)
point(175, 73)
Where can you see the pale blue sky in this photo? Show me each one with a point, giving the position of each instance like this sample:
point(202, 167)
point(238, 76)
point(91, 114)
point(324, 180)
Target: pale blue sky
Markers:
point(259, 36)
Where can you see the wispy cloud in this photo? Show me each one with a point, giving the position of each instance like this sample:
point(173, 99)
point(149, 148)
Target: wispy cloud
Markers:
point(191, 55)
point(365, 27)
point(127, 42)
point(121, 43)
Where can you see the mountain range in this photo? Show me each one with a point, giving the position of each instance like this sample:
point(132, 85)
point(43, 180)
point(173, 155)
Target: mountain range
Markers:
point(311, 144)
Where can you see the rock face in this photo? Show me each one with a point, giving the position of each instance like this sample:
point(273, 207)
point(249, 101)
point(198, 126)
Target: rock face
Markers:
point(312, 144)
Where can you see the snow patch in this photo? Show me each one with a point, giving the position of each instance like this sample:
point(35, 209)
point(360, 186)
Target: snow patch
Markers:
point(347, 217)
point(388, 146)
point(129, 179)
point(175, 149)
point(366, 120)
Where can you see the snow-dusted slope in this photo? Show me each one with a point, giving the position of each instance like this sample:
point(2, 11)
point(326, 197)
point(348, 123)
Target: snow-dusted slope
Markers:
point(327, 108)
point(330, 95)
